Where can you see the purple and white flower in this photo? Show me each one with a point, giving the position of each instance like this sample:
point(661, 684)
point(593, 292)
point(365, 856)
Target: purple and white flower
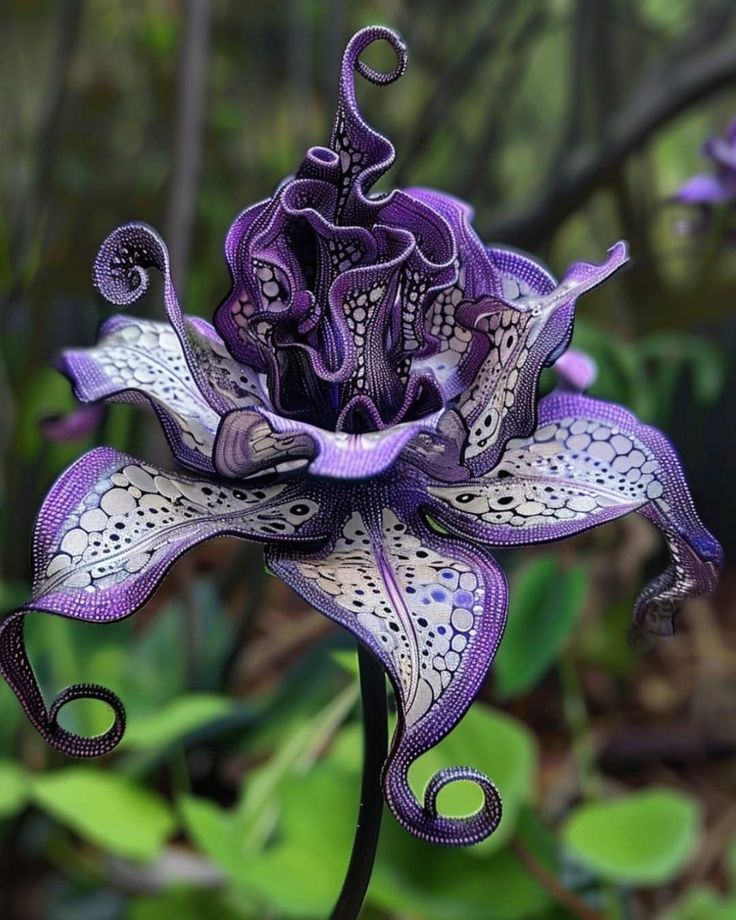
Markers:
point(365, 406)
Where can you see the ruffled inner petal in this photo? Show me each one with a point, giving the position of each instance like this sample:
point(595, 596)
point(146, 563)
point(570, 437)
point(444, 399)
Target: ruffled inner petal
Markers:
point(510, 346)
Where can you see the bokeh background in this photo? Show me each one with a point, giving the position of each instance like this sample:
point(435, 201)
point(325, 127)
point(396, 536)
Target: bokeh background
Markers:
point(568, 124)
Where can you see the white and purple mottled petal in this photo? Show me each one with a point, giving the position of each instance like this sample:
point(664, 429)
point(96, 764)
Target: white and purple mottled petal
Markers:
point(107, 533)
point(121, 275)
point(477, 276)
point(141, 361)
point(588, 462)
point(511, 344)
point(432, 609)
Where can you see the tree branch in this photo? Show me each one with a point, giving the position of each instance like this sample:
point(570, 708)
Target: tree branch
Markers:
point(661, 95)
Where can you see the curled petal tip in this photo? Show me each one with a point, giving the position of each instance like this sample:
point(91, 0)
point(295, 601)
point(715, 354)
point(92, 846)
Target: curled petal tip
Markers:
point(426, 823)
point(77, 745)
point(120, 272)
point(17, 671)
point(358, 44)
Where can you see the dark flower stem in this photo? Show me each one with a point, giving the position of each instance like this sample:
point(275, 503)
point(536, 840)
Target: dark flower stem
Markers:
point(370, 810)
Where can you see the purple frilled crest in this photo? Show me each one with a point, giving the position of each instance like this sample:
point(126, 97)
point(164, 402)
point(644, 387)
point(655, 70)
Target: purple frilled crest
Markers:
point(366, 406)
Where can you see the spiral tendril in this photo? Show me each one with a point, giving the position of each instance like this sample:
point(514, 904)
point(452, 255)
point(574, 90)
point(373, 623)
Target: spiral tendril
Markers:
point(17, 671)
point(120, 271)
point(366, 37)
point(425, 821)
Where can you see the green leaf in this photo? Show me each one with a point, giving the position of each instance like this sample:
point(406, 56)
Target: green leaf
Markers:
point(258, 807)
point(314, 841)
point(13, 788)
point(175, 720)
point(702, 903)
point(545, 602)
point(186, 903)
point(215, 831)
point(416, 879)
point(347, 660)
point(645, 838)
point(106, 809)
point(495, 743)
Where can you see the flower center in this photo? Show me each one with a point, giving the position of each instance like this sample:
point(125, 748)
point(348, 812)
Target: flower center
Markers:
point(332, 284)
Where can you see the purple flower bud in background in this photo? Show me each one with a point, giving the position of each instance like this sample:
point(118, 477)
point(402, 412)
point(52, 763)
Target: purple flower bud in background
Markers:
point(707, 191)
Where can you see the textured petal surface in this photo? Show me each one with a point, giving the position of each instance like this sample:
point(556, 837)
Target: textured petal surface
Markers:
point(142, 361)
point(589, 462)
point(250, 442)
point(477, 276)
point(138, 360)
point(121, 276)
point(511, 345)
point(107, 533)
point(432, 609)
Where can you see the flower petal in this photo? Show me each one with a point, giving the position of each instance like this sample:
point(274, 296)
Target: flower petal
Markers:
point(142, 361)
point(576, 370)
point(589, 462)
point(432, 609)
point(365, 155)
point(477, 276)
point(106, 535)
point(521, 276)
point(515, 343)
point(703, 189)
point(121, 276)
point(139, 360)
point(250, 442)
point(75, 425)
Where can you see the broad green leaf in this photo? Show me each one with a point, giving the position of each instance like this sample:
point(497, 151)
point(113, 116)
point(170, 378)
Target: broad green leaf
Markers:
point(644, 838)
point(175, 720)
point(416, 879)
point(107, 809)
point(495, 743)
point(13, 788)
point(300, 876)
point(702, 903)
point(215, 831)
point(190, 904)
point(545, 602)
point(729, 859)
point(347, 660)
point(258, 807)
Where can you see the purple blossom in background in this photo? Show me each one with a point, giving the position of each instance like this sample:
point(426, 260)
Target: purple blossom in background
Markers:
point(707, 191)
point(365, 405)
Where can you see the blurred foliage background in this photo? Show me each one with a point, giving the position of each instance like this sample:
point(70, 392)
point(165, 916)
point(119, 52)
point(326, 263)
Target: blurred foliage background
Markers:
point(568, 124)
